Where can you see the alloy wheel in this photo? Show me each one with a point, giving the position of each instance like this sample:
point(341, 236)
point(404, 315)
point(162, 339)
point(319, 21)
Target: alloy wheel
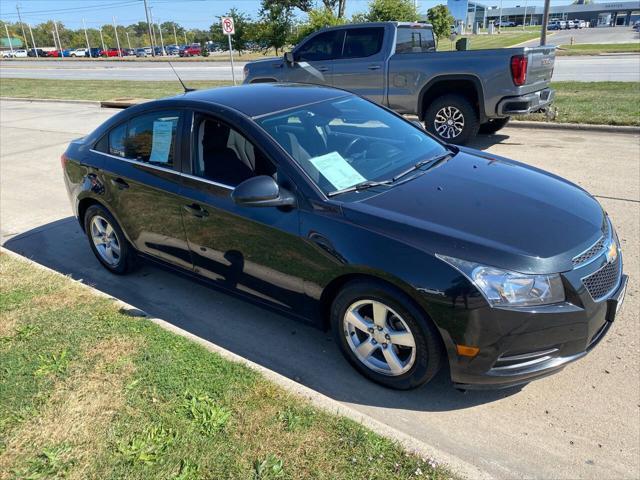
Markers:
point(449, 122)
point(105, 240)
point(380, 339)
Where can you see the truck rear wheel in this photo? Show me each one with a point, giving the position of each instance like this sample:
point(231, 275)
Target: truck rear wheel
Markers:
point(452, 119)
point(493, 125)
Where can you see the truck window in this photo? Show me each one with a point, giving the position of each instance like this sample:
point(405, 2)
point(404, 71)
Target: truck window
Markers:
point(324, 46)
point(415, 40)
point(363, 42)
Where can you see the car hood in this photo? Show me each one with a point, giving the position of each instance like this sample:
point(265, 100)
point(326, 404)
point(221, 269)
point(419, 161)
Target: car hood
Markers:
point(487, 209)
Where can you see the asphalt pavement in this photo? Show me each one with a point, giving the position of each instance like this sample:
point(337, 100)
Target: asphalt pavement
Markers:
point(578, 68)
point(589, 35)
point(580, 423)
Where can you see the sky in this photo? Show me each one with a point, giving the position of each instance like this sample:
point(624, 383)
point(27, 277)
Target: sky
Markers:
point(189, 13)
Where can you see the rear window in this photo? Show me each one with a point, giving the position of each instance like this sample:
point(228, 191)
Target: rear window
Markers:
point(415, 40)
point(362, 42)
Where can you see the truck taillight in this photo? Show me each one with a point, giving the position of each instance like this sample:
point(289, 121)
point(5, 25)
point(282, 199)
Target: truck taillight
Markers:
point(519, 69)
point(63, 160)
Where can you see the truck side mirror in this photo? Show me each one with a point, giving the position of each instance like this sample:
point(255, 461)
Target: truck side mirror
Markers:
point(288, 57)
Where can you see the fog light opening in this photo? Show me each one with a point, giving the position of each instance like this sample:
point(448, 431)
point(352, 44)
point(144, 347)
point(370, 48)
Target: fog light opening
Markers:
point(467, 351)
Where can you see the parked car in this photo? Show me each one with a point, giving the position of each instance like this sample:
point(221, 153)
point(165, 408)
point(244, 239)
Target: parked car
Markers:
point(557, 25)
point(636, 26)
point(579, 24)
point(127, 52)
point(7, 54)
point(142, 52)
point(570, 25)
point(111, 52)
point(20, 54)
point(191, 51)
point(159, 52)
point(312, 200)
point(79, 52)
point(36, 52)
point(455, 94)
point(505, 23)
point(95, 52)
point(173, 50)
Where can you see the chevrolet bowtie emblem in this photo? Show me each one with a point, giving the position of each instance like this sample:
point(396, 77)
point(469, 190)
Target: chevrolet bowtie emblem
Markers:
point(612, 252)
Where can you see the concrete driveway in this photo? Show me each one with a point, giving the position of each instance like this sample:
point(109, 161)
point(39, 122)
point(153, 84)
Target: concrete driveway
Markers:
point(580, 423)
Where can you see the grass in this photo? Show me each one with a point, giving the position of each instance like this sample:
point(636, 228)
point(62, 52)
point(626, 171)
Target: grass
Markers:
point(87, 391)
point(481, 42)
point(598, 48)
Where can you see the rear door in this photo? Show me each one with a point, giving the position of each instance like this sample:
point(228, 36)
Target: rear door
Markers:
point(360, 68)
point(142, 165)
point(315, 58)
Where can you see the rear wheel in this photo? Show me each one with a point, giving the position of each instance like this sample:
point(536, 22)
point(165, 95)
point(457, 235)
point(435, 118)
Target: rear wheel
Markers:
point(493, 125)
point(384, 336)
point(452, 118)
point(107, 240)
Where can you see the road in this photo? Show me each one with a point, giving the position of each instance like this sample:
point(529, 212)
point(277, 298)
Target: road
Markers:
point(580, 423)
point(590, 35)
point(579, 68)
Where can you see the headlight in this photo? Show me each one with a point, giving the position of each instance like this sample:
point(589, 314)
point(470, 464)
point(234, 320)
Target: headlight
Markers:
point(503, 288)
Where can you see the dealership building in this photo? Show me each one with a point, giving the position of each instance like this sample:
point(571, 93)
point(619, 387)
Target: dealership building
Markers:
point(595, 14)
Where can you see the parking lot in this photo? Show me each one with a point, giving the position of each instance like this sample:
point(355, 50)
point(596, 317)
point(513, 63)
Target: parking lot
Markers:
point(579, 423)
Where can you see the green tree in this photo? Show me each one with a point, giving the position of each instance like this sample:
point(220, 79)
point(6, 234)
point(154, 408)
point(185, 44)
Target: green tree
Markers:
point(441, 19)
point(318, 19)
point(277, 20)
point(392, 10)
point(243, 29)
point(167, 31)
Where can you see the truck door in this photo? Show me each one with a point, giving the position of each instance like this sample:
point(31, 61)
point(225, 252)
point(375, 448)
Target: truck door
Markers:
point(360, 68)
point(314, 59)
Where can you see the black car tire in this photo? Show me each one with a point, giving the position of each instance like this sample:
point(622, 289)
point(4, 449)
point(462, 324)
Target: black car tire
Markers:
point(462, 105)
point(493, 125)
point(428, 344)
point(128, 258)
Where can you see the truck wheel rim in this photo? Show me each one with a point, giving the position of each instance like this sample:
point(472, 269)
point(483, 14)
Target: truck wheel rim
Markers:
point(105, 240)
point(449, 122)
point(379, 338)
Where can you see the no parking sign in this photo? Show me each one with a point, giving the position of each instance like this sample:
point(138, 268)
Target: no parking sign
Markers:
point(227, 26)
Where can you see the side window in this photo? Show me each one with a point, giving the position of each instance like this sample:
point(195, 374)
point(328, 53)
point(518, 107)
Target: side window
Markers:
point(363, 42)
point(151, 138)
point(116, 140)
point(224, 155)
point(325, 46)
point(415, 40)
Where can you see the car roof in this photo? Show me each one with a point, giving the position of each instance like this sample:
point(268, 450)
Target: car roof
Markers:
point(264, 98)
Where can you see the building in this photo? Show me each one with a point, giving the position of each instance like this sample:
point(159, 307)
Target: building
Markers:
point(621, 13)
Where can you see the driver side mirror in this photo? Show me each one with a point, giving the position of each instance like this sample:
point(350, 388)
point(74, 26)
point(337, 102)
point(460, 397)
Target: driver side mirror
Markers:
point(418, 124)
point(288, 57)
point(262, 191)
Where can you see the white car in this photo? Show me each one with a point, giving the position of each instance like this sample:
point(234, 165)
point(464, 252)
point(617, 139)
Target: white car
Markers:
point(79, 52)
point(20, 54)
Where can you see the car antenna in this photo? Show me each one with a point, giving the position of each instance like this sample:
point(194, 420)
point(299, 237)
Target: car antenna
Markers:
point(186, 89)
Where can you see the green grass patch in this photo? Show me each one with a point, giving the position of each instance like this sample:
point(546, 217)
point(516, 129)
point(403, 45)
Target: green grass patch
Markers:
point(89, 392)
point(598, 103)
point(483, 42)
point(598, 48)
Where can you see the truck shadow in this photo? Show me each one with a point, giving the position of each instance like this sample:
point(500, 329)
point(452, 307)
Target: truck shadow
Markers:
point(483, 142)
point(267, 337)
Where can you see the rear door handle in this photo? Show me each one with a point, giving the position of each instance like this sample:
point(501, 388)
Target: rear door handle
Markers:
point(120, 183)
point(323, 69)
point(196, 210)
point(374, 67)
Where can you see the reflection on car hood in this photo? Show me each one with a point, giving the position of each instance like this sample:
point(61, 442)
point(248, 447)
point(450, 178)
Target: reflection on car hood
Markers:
point(487, 209)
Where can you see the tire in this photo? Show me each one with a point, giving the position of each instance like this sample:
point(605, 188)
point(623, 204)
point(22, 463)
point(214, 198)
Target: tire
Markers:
point(417, 364)
point(493, 125)
point(123, 262)
point(460, 111)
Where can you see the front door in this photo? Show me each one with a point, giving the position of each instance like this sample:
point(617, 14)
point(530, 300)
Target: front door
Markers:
point(247, 249)
point(314, 59)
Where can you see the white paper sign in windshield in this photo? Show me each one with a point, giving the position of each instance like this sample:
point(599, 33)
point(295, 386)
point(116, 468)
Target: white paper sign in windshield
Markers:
point(161, 141)
point(337, 170)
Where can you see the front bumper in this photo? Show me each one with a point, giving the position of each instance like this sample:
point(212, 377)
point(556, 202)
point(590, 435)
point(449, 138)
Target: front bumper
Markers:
point(524, 104)
point(518, 346)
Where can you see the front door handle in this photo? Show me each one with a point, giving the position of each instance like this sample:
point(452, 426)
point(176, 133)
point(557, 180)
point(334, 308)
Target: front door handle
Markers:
point(323, 69)
point(374, 67)
point(196, 210)
point(120, 183)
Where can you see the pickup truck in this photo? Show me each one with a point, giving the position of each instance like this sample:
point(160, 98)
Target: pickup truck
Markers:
point(456, 94)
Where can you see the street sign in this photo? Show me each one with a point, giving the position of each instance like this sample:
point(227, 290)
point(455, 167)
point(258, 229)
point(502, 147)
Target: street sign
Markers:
point(227, 26)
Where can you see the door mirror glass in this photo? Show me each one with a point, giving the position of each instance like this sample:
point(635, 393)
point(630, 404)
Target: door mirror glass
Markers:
point(262, 191)
point(288, 57)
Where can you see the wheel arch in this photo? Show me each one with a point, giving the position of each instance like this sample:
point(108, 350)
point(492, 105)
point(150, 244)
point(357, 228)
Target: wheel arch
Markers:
point(468, 86)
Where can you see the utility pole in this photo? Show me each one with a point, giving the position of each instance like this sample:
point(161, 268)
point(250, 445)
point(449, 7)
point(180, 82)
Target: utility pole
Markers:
point(86, 37)
point(9, 38)
point(128, 41)
point(161, 39)
point(104, 49)
point(55, 24)
point(500, 21)
point(153, 29)
point(175, 37)
point(24, 35)
point(35, 49)
point(115, 29)
point(185, 36)
point(146, 12)
point(524, 21)
point(55, 42)
point(545, 23)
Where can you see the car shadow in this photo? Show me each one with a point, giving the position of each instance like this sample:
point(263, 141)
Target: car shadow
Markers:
point(483, 142)
point(290, 347)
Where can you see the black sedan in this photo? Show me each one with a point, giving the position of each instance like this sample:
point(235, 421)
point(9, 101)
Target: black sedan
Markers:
point(416, 254)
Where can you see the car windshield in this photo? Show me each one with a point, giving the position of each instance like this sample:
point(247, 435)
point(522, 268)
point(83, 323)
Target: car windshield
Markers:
point(347, 141)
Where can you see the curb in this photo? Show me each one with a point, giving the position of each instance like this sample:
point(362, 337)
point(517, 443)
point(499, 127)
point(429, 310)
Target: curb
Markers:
point(574, 126)
point(50, 100)
point(319, 400)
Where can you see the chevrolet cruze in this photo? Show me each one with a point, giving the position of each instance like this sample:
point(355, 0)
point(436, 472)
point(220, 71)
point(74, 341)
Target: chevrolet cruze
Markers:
point(417, 254)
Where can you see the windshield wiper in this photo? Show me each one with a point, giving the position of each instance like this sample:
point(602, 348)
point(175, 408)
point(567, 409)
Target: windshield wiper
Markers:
point(359, 186)
point(431, 162)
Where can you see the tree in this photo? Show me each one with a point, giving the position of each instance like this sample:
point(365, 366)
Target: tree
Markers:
point(392, 10)
point(441, 19)
point(336, 6)
point(243, 28)
point(276, 18)
point(318, 19)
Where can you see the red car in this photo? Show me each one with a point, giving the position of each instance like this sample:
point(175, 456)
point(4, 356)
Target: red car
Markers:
point(112, 52)
point(191, 51)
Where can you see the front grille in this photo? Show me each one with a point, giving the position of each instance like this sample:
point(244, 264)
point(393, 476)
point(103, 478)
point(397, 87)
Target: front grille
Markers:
point(601, 282)
point(597, 247)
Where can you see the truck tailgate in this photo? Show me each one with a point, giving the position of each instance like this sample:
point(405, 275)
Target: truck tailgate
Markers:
point(540, 65)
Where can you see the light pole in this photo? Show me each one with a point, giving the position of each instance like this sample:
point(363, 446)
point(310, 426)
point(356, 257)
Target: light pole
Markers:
point(24, 35)
point(146, 12)
point(35, 49)
point(175, 37)
point(545, 22)
point(55, 24)
point(128, 41)
point(9, 38)
point(115, 29)
point(500, 21)
point(102, 42)
point(161, 39)
point(86, 37)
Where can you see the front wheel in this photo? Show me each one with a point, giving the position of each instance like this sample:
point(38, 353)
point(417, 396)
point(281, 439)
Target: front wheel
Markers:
point(452, 119)
point(107, 240)
point(385, 336)
point(493, 125)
